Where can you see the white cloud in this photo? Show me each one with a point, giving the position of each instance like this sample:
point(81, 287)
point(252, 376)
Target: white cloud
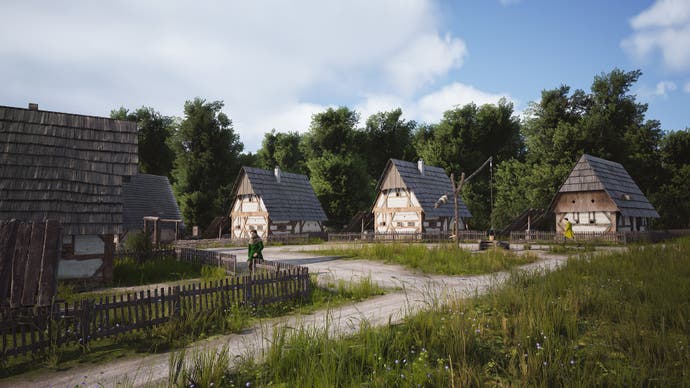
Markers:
point(664, 27)
point(273, 63)
point(686, 88)
point(664, 13)
point(430, 108)
point(426, 58)
point(663, 87)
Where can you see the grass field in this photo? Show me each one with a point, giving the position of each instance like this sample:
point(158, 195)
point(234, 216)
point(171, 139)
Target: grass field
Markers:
point(446, 259)
point(619, 319)
point(190, 327)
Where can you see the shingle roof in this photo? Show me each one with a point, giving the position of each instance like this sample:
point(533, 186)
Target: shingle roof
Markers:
point(148, 195)
point(595, 174)
point(291, 199)
point(427, 188)
point(66, 167)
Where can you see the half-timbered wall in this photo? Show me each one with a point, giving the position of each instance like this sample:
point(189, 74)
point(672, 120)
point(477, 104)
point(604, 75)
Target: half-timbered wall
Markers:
point(397, 211)
point(593, 211)
point(86, 257)
point(249, 212)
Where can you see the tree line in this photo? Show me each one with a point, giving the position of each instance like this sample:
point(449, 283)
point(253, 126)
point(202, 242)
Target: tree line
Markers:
point(344, 158)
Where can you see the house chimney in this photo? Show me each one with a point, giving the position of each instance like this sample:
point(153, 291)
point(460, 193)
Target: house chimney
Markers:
point(420, 166)
point(33, 106)
point(276, 172)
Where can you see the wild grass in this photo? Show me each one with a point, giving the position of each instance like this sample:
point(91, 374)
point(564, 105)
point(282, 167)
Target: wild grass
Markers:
point(128, 272)
point(446, 259)
point(190, 326)
point(619, 319)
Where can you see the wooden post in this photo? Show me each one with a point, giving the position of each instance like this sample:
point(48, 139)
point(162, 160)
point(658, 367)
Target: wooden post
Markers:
point(33, 264)
point(108, 257)
point(21, 249)
point(8, 236)
point(47, 286)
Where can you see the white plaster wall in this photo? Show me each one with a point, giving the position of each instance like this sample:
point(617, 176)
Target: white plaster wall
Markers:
point(78, 269)
point(310, 226)
point(88, 245)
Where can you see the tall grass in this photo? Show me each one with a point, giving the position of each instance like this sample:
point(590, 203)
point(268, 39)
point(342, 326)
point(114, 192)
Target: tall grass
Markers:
point(447, 259)
point(621, 319)
point(128, 272)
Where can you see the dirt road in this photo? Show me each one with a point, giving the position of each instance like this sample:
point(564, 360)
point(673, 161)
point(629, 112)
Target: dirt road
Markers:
point(412, 292)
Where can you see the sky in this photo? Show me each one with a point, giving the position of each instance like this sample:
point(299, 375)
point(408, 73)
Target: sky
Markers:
point(275, 63)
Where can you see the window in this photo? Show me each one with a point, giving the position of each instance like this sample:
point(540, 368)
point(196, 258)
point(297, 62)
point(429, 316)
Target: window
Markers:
point(400, 224)
point(576, 218)
point(260, 227)
point(411, 223)
point(592, 217)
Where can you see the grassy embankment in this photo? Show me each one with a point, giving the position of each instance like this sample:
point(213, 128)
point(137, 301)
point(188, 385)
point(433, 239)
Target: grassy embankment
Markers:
point(446, 259)
point(618, 319)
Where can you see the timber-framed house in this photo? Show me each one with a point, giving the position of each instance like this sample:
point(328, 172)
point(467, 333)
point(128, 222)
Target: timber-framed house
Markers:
point(600, 196)
point(406, 194)
point(274, 203)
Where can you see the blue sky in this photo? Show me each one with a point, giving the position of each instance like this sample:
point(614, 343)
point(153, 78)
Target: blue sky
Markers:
point(275, 63)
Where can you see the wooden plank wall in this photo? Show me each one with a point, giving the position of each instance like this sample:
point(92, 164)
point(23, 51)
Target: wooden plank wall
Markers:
point(29, 255)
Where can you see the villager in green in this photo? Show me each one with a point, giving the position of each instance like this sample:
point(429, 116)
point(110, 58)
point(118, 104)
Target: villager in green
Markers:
point(256, 246)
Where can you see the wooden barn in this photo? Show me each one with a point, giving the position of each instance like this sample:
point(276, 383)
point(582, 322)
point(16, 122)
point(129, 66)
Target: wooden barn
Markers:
point(407, 192)
point(600, 196)
point(274, 203)
point(69, 168)
point(150, 205)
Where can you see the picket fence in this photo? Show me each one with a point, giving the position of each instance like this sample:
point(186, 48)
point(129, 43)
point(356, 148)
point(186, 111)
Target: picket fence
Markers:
point(39, 329)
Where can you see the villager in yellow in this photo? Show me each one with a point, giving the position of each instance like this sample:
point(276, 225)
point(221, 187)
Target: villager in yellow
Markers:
point(568, 230)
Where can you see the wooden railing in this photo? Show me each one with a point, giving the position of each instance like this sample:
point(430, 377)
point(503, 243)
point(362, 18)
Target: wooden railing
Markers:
point(465, 236)
point(36, 330)
point(155, 254)
point(220, 259)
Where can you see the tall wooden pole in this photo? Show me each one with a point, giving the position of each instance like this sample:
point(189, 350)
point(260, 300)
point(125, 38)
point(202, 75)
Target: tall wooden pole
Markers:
point(456, 193)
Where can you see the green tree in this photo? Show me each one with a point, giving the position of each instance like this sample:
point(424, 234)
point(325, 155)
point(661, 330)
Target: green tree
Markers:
point(341, 184)
point(464, 139)
point(608, 122)
point(208, 160)
point(672, 198)
point(154, 131)
point(387, 135)
point(331, 131)
point(282, 149)
point(337, 170)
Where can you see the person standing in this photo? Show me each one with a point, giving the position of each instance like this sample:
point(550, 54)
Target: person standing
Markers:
point(568, 230)
point(254, 250)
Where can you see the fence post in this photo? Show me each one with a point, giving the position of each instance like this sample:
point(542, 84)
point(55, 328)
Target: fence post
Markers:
point(175, 302)
point(247, 289)
point(85, 321)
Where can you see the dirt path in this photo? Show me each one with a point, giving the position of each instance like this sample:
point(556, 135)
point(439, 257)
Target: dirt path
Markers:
point(413, 292)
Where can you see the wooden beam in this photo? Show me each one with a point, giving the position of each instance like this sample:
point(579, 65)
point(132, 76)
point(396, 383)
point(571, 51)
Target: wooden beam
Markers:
point(47, 286)
point(108, 258)
point(21, 249)
point(8, 236)
point(33, 264)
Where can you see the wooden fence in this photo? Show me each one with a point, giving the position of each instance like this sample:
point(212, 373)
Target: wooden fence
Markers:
point(538, 236)
point(155, 254)
point(465, 236)
point(220, 259)
point(37, 330)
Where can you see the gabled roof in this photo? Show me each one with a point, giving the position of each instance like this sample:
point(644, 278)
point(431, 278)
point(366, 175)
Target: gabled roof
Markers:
point(596, 174)
point(427, 187)
point(148, 195)
point(291, 199)
point(65, 167)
